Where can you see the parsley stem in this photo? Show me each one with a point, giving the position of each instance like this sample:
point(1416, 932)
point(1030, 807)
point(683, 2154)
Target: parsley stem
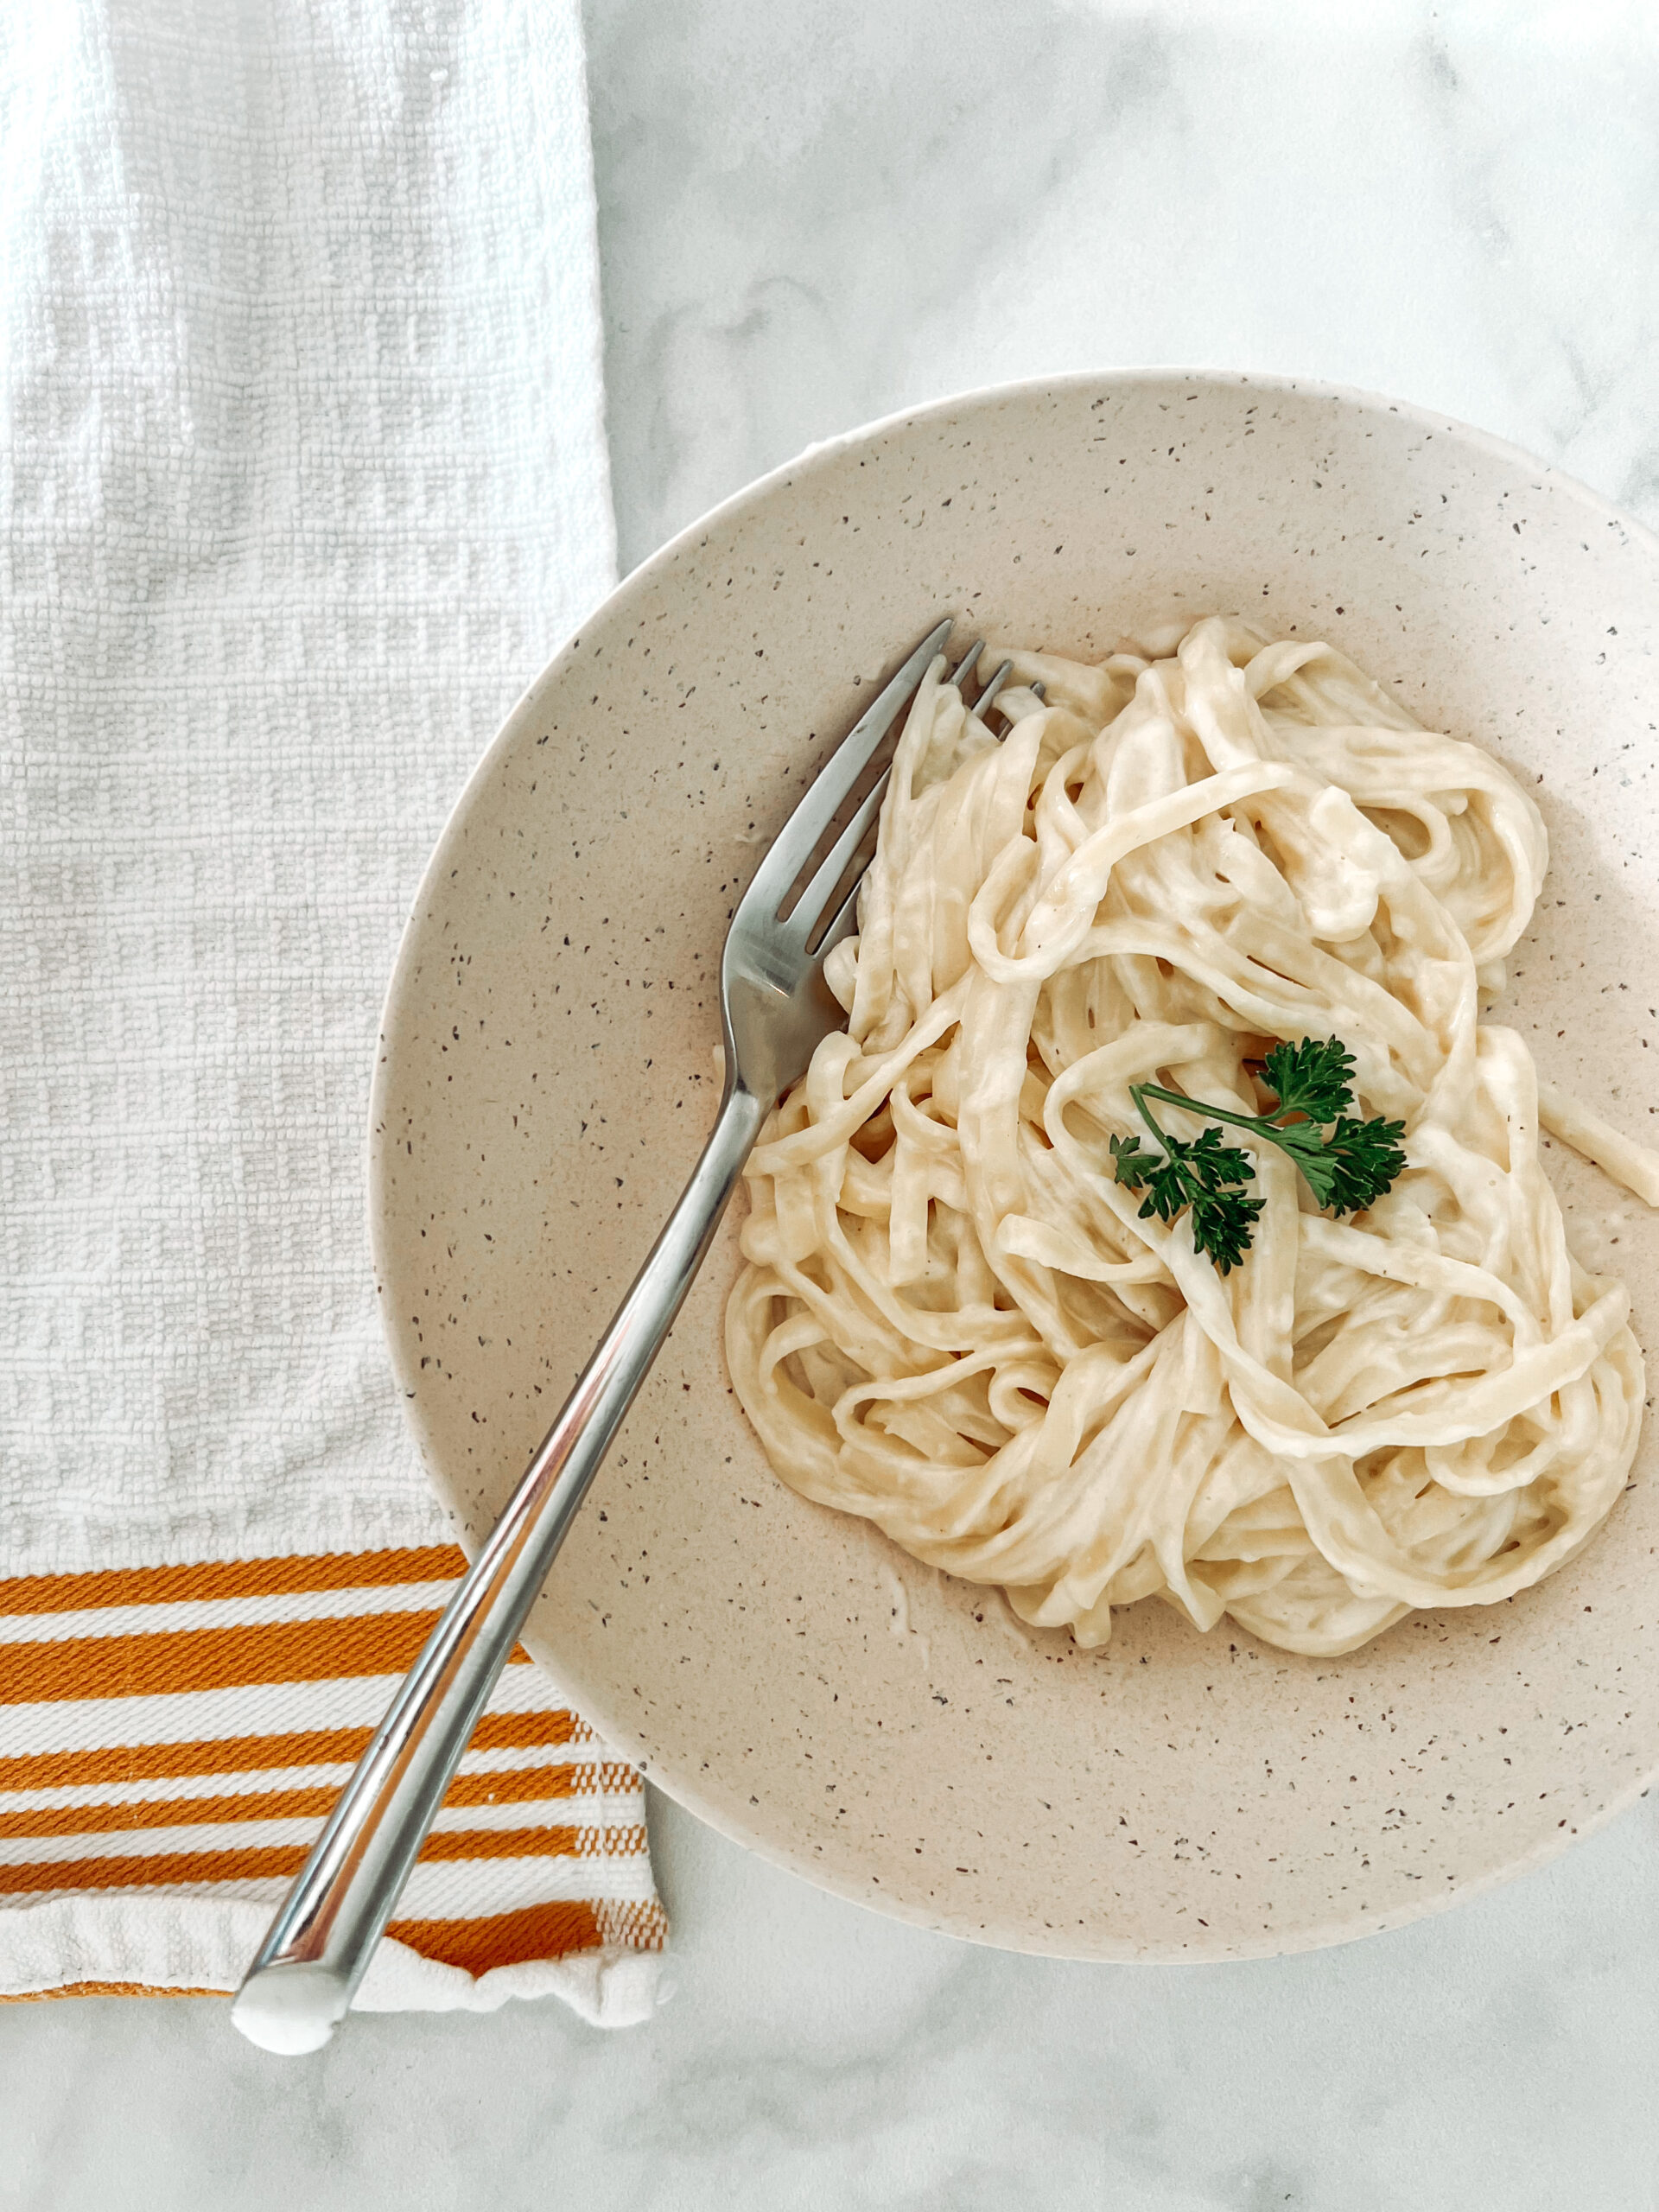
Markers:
point(1138, 1092)
point(1202, 1107)
point(1257, 1123)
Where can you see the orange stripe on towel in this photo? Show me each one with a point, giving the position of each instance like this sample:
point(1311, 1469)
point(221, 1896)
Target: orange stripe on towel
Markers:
point(532, 1785)
point(174, 1660)
point(529, 1843)
point(103, 1989)
point(237, 1578)
point(145, 1870)
point(496, 1731)
point(502, 1939)
point(259, 1862)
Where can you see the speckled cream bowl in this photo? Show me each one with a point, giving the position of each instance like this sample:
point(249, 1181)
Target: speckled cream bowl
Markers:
point(547, 1077)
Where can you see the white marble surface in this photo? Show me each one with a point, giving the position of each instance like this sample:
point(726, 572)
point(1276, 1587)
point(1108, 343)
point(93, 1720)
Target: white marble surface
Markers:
point(811, 215)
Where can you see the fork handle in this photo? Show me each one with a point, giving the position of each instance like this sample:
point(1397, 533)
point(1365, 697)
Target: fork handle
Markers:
point(302, 1979)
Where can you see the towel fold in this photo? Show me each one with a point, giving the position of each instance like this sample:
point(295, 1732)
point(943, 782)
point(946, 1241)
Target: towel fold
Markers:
point(302, 476)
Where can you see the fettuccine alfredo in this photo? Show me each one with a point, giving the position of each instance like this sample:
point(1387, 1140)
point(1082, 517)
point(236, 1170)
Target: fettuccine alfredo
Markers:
point(955, 1321)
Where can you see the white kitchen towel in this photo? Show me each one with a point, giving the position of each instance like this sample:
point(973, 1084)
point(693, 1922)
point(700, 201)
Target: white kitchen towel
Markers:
point(303, 475)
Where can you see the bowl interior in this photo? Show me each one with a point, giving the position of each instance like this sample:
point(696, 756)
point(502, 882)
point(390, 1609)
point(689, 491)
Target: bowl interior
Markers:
point(548, 1070)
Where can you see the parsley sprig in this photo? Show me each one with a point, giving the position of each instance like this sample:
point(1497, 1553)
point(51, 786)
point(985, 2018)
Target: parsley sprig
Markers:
point(1346, 1169)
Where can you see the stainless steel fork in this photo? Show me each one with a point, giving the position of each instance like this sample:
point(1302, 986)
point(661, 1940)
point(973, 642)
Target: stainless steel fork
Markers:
point(775, 1007)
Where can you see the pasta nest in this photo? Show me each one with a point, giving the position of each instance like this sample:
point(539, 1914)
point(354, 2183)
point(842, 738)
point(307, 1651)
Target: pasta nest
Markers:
point(953, 1321)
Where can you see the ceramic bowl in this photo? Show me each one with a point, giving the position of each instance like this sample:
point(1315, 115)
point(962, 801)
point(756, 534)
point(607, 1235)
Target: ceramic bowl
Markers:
point(548, 1070)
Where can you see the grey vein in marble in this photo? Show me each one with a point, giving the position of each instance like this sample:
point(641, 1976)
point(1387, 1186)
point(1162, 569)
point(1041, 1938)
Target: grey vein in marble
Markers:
point(812, 216)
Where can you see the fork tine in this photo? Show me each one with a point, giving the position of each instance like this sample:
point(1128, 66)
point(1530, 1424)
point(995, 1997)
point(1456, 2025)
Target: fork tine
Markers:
point(986, 698)
point(845, 915)
point(809, 907)
point(829, 873)
point(823, 797)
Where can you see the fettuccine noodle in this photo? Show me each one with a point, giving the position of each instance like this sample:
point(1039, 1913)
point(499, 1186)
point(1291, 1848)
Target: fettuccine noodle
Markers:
point(952, 1319)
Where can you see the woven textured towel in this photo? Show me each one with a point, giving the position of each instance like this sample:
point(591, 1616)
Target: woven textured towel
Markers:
point(301, 476)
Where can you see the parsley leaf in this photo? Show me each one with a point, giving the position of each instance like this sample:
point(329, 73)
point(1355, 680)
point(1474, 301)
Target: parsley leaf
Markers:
point(1315, 1077)
point(1365, 1157)
point(1200, 1172)
point(1305, 1142)
point(1222, 1227)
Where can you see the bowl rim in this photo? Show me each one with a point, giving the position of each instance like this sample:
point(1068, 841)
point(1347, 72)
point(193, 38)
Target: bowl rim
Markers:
point(1328, 1931)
